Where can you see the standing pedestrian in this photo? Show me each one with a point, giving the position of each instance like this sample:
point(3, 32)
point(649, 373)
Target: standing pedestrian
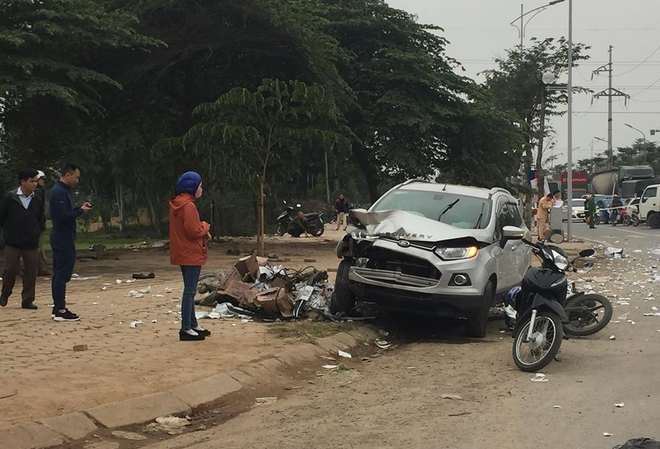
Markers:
point(341, 209)
point(22, 217)
point(188, 249)
point(591, 210)
point(545, 204)
point(63, 238)
point(41, 192)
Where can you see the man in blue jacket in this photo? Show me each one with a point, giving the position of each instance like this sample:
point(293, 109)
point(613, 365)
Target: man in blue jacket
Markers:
point(63, 237)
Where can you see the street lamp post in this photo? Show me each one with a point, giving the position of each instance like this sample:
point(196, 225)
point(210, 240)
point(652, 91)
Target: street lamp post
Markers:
point(523, 14)
point(643, 135)
point(569, 165)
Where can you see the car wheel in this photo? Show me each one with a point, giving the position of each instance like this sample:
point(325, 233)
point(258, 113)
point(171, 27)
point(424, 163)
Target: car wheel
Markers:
point(654, 221)
point(478, 323)
point(343, 299)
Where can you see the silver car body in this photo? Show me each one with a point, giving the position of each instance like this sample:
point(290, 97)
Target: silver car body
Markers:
point(417, 238)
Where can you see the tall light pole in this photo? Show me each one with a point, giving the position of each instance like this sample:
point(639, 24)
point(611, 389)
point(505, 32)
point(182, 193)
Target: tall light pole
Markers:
point(643, 135)
point(592, 152)
point(569, 164)
point(523, 14)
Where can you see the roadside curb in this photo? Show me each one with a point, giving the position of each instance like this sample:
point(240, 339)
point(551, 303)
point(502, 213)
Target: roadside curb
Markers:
point(54, 431)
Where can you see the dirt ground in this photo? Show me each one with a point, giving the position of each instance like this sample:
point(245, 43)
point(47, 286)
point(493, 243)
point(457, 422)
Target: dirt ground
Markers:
point(435, 389)
point(43, 376)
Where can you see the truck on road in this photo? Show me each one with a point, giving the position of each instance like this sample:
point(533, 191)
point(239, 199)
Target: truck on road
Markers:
point(626, 181)
point(649, 206)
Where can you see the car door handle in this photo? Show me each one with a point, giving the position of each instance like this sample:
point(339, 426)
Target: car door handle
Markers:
point(515, 247)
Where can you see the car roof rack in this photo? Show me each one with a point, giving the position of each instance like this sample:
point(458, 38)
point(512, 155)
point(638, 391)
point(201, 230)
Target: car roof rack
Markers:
point(495, 190)
point(410, 181)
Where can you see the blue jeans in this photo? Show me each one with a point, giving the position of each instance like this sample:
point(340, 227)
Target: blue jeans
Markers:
point(64, 259)
point(190, 279)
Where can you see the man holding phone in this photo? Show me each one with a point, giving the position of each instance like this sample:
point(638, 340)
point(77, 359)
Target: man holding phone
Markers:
point(63, 237)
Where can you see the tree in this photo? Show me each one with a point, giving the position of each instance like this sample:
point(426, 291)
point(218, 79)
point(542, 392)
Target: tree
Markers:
point(250, 132)
point(45, 48)
point(407, 97)
point(517, 85)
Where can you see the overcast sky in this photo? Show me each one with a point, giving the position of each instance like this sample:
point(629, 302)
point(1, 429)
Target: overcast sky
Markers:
point(479, 31)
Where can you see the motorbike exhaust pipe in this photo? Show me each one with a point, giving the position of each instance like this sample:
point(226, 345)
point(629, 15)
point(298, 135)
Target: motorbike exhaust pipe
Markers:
point(530, 331)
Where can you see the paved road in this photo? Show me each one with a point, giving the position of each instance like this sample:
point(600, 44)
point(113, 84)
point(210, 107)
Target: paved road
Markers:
point(632, 238)
point(407, 397)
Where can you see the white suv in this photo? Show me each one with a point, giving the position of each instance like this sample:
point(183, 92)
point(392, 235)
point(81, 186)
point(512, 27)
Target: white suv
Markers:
point(432, 248)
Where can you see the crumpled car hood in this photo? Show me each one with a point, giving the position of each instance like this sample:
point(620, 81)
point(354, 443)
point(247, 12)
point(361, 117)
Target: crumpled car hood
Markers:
point(405, 225)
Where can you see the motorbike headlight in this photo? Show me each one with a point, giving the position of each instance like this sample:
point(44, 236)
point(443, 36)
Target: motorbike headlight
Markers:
point(457, 253)
point(560, 261)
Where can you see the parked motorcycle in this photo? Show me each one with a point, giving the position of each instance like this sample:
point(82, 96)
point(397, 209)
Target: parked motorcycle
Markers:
point(537, 309)
point(622, 217)
point(285, 220)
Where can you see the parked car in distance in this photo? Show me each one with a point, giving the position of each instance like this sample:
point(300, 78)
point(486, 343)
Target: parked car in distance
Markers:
point(434, 249)
point(577, 211)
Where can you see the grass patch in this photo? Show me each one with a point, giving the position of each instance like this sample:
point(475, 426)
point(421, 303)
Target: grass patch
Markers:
point(308, 331)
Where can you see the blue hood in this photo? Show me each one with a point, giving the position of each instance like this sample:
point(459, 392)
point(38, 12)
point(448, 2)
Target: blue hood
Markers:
point(188, 183)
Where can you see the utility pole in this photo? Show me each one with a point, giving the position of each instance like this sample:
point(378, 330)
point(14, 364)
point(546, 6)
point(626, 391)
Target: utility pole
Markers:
point(610, 93)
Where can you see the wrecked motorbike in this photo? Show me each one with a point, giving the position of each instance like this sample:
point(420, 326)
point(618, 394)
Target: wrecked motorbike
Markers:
point(286, 222)
point(538, 307)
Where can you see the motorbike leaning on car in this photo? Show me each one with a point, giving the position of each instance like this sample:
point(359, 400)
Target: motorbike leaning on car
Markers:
point(543, 310)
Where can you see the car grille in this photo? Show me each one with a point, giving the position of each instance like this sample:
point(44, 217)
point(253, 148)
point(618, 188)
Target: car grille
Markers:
point(395, 268)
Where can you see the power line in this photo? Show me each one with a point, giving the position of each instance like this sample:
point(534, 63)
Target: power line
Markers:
point(637, 66)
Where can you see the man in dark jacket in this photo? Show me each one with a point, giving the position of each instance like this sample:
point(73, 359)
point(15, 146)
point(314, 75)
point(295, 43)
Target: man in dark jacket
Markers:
point(63, 237)
point(23, 220)
point(341, 209)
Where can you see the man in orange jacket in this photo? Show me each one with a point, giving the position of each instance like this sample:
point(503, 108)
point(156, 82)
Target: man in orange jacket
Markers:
point(188, 249)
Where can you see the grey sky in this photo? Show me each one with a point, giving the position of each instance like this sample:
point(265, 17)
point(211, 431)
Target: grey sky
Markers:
point(479, 31)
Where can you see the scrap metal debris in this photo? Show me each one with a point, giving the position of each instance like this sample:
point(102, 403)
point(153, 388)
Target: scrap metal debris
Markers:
point(254, 287)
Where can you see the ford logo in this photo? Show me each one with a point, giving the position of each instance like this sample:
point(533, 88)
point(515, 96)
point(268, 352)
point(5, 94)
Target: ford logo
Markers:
point(403, 243)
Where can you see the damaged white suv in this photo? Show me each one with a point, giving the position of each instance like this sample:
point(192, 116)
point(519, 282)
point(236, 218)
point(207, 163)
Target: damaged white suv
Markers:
point(432, 248)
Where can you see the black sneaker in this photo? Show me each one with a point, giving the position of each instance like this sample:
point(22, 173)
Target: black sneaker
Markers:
point(205, 332)
point(67, 315)
point(29, 306)
point(185, 336)
point(3, 301)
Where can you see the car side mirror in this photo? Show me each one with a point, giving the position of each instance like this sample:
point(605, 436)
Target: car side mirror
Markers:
point(511, 233)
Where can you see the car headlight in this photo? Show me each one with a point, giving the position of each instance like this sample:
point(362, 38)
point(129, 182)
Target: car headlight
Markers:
point(457, 253)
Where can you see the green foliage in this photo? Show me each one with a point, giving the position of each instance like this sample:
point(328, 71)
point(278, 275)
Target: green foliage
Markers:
point(249, 131)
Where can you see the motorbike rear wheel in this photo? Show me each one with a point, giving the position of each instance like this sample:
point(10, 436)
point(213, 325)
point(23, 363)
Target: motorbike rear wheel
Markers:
point(587, 314)
point(626, 220)
point(280, 230)
point(538, 352)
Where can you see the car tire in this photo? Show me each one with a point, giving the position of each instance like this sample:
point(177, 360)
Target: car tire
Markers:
point(654, 221)
point(343, 299)
point(478, 323)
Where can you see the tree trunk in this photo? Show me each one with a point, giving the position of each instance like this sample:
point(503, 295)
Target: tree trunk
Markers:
point(119, 191)
point(155, 222)
point(539, 153)
point(369, 171)
point(262, 222)
point(529, 197)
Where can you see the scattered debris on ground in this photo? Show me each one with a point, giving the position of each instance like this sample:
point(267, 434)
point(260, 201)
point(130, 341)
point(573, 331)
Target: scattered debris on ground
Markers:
point(254, 287)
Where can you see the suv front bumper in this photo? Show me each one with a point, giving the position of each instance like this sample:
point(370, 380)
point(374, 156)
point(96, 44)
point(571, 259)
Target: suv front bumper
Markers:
point(410, 302)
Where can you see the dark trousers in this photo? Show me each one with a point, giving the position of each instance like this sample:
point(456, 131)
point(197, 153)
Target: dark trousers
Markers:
point(13, 267)
point(64, 259)
point(190, 279)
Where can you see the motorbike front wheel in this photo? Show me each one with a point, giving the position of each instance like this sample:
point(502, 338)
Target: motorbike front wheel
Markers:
point(538, 352)
point(587, 314)
point(280, 230)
